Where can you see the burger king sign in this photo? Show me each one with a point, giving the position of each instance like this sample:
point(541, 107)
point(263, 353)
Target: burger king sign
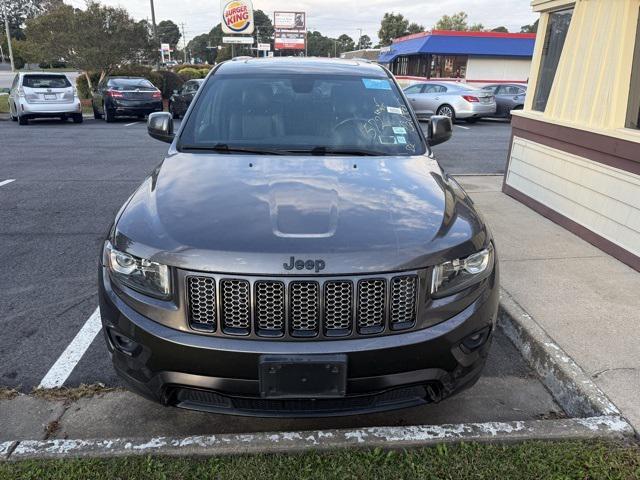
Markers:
point(237, 16)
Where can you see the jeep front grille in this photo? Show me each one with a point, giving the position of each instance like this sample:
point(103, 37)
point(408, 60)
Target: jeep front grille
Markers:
point(302, 308)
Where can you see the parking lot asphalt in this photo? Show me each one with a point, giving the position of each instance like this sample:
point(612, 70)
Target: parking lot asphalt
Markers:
point(479, 148)
point(69, 182)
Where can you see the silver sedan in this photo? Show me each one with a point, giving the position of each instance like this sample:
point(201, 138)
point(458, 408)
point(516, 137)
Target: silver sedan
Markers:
point(452, 99)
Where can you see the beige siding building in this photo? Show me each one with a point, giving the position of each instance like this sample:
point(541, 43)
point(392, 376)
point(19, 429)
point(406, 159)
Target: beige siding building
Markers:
point(575, 153)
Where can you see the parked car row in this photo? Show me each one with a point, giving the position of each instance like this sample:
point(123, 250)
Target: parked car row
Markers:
point(51, 95)
point(461, 101)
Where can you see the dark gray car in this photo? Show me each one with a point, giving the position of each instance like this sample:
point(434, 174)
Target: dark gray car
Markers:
point(509, 96)
point(299, 252)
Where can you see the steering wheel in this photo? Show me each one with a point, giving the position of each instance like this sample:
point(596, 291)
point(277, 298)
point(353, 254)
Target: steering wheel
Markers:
point(361, 125)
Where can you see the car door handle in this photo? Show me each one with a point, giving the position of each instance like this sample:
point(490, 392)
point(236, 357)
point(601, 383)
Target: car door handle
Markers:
point(437, 98)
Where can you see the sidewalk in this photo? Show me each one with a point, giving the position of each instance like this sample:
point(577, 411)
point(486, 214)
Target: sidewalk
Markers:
point(585, 300)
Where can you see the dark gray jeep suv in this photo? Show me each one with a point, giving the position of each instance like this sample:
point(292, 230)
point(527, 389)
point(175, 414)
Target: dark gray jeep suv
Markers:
point(299, 252)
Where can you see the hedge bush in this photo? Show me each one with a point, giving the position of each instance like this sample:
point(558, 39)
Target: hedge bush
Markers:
point(189, 73)
point(166, 81)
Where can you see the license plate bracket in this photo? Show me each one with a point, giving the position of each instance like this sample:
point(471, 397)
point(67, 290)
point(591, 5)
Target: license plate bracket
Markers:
point(303, 376)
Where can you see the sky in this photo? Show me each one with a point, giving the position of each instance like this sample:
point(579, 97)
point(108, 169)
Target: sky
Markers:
point(335, 17)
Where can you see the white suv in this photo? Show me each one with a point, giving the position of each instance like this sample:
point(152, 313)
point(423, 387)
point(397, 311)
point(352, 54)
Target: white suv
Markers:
point(35, 95)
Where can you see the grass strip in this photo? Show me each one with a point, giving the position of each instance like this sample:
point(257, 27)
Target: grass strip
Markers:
point(528, 460)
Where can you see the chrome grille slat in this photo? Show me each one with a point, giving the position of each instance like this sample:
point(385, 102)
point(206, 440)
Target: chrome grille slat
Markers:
point(303, 307)
point(236, 304)
point(404, 292)
point(371, 305)
point(270, 307)
point(338, 306)
point(202, 303)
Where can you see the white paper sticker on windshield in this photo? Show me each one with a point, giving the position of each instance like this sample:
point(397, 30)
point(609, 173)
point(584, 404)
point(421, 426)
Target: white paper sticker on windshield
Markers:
point(401, 139)
point(396, 110)
point(399, 130)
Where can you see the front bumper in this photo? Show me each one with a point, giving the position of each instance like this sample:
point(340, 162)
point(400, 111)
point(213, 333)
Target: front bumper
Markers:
point(34, 110)
point(221, 374)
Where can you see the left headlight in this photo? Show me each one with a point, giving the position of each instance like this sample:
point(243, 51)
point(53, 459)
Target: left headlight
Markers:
point(456, 275)
point(140, 274)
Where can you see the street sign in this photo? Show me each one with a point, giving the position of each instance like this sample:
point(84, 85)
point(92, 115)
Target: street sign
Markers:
point(264, 47)
point(238, 40)
point(237, 16)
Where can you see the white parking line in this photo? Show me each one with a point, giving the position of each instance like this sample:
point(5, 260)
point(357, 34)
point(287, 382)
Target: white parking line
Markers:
point(464, 128)
point(131, 124)
point(6, 182)
point(60, 371)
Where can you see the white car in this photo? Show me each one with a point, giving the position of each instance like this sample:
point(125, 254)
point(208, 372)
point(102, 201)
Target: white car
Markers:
point(41, 95)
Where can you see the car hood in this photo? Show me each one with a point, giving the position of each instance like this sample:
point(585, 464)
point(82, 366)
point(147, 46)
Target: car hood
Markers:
point(250, 214)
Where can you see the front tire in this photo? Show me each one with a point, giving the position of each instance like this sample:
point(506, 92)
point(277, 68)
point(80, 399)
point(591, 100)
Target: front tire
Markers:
point(14, 118)
point(447, 111)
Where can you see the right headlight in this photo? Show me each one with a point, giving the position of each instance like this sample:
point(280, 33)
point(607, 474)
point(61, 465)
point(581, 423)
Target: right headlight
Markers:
point(456, 275)
point(140, 274)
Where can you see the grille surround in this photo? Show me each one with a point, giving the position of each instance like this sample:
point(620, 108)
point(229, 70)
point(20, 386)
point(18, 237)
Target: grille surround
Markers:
point(331, 306)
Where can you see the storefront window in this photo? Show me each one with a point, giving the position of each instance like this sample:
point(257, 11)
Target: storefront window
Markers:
point(551, 51)
point(633, 117)
point(448, 66)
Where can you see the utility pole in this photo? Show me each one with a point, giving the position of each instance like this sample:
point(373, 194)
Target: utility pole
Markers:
point(359, 38)
point(155, 32)
point(184, 40)
point(6, 27)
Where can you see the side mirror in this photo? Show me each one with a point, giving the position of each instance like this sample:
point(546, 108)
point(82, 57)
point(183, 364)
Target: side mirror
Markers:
point(440, 130)
point(160, 126)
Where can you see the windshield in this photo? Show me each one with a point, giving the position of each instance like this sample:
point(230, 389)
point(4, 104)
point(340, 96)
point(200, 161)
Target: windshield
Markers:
point(127, 83)
point(297, 113)
point(45, 81)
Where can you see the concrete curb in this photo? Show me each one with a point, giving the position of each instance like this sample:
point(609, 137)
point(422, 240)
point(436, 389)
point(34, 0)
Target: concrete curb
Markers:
point(570, 386)
point(609, 427)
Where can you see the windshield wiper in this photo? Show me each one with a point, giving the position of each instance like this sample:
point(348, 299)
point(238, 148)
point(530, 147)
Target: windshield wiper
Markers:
point(357, 152)
point(224, 148)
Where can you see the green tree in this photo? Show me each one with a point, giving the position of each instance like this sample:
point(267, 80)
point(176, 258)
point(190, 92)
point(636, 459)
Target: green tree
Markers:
point(264, 28)
point(533, 28)
point(319, 46)
point(394, 26)
point(98, 39)
point(501, 30)
point(365, 42)
point(345, 43)
point(197, 47)
point(19, 11)
point(169, 32)
point(458, 22)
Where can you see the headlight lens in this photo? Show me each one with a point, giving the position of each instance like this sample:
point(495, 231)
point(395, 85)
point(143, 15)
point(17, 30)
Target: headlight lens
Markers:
point(456, 275)
point(140, 274)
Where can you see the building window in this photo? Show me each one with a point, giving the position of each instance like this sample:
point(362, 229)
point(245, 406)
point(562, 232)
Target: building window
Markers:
point(554, 39)
point(633, 116)
point(448, 66)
